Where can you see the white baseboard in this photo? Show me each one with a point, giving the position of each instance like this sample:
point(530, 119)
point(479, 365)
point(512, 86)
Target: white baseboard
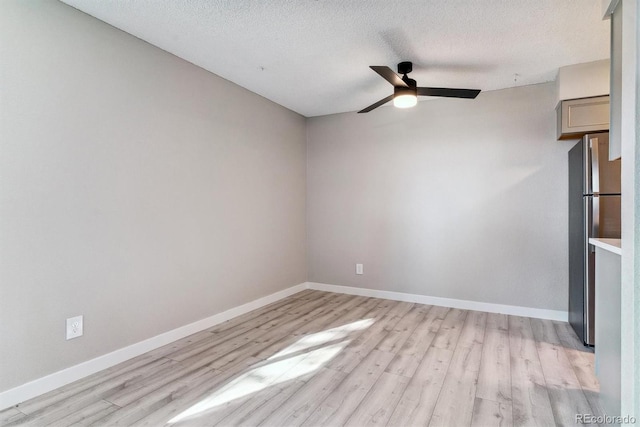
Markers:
point(539, 313)
point(66, 376)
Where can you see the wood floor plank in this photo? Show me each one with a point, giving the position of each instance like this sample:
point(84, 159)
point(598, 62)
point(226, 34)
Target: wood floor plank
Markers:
point(360, 331)
point(308, 322)
point(277, 306)
point(488, 413)
point(304, 340)
point(255, 383)
point(494, 379)
point(175, 372)
point(338, 407)
point(77, 400)
point(395, 339)
point(231, 350)
point(306, 294)
point(529, 396)
point(450, 329)
point(318, 319)
point(380, 402)
point(225, 333)
point(323, 301)
point(338, 300)
point(156, 399)
point(582, 360)
point(222, 414)
point(416, 405)
point(261, 316)
point(313, 321)
point(241, 352)
point(87, 384)
point(457, 396)
point(192, 340)
point(239, 336)
point(366, 341)
point(10, 415)
point(339, 324)
point(87, 415)
point(341, 299)
point(410, 355)
point(565, 391)
point(261, 406)
point(354, 301)
point(52, 415)
point(184, 401)
point(299, 406)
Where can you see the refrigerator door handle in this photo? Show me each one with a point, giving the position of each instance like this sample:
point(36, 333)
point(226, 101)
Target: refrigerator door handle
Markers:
point(595, 167)
point(595, 218)
point(586, 159)
point(591, 205)
point(588, 227)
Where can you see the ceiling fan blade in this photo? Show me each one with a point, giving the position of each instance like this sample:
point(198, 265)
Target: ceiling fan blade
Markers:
point(388, 74)
point(377, 104)
point(447, 92)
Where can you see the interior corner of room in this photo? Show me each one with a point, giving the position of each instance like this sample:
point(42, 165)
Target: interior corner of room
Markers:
point(144, 199)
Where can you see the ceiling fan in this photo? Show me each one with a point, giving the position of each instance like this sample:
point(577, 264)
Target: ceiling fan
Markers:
point(406, 92)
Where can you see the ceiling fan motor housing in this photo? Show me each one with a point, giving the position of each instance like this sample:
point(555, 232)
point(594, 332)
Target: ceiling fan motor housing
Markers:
point(405, 67)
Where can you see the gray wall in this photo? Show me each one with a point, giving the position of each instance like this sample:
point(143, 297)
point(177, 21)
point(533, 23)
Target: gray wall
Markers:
point(454, 198)
point(135, 188)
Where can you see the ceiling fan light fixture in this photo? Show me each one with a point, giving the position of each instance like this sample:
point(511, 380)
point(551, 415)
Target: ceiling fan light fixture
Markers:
point(404, 97)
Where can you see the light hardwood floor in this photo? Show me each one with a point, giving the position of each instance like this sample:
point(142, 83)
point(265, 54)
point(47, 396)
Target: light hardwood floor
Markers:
point(319, 358)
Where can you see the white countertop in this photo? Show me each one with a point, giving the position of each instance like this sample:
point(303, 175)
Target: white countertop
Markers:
point(611, 245)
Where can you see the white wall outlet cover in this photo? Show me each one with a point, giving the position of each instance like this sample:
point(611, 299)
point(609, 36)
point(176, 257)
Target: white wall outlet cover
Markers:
point(74, 327)
point(359, 269)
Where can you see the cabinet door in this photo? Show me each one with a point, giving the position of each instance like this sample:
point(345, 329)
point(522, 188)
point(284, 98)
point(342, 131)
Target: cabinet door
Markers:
point(577, 117)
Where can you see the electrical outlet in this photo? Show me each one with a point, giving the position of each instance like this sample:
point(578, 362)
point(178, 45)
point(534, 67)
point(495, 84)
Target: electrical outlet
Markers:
point(359, 269)
point(74, 327)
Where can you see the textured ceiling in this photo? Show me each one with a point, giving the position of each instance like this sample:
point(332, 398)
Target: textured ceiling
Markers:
point(312, 56)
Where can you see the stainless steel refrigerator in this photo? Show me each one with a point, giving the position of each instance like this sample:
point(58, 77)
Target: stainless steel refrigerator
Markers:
point(594, 211)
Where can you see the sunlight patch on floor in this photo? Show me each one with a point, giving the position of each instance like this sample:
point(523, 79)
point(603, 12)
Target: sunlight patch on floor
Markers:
point(323, 337)
point(279, 371)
